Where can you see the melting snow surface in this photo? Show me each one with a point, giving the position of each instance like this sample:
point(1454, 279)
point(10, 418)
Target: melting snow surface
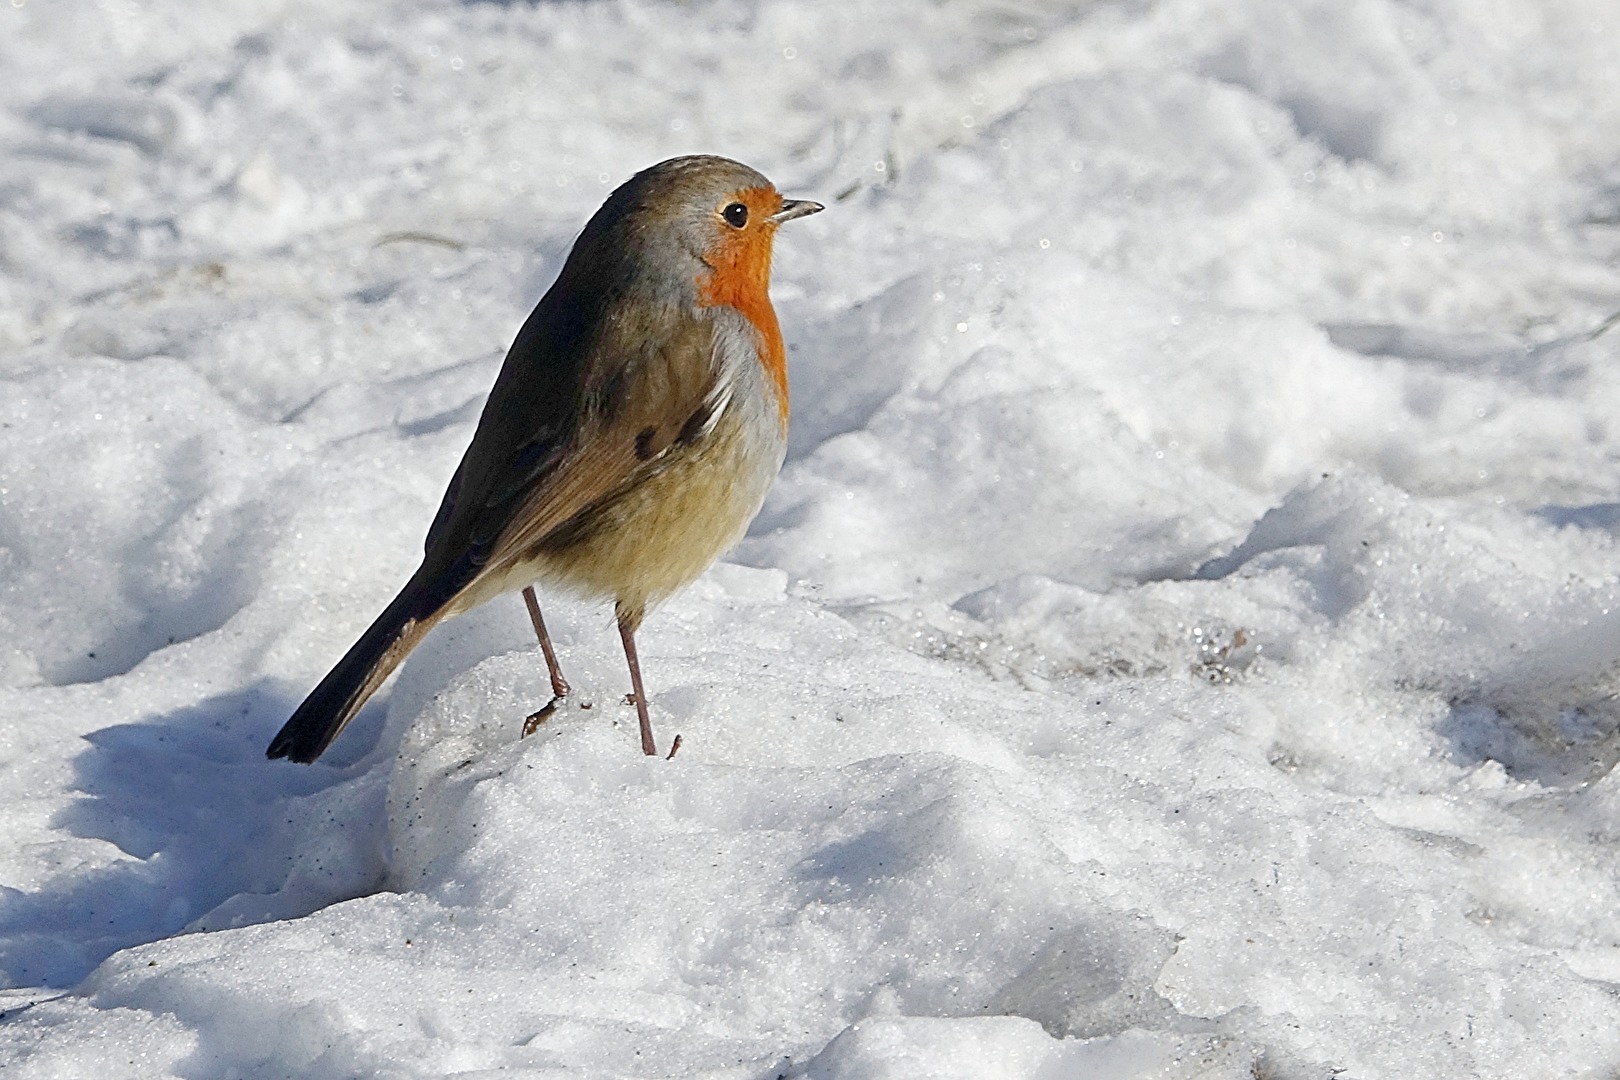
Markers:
point(1182, 642)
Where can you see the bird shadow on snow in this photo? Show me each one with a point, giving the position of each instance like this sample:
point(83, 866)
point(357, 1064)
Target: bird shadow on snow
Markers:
point(212, 835)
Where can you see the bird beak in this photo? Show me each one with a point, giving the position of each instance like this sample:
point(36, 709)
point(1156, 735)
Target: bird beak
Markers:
point(795, 208)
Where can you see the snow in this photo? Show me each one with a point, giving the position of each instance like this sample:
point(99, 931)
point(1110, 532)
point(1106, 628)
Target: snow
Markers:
point(1182, 642)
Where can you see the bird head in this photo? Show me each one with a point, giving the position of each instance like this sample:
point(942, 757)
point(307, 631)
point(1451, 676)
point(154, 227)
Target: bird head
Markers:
point(699, 227)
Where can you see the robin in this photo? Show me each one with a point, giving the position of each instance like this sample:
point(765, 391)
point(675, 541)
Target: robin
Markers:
point(635, 427)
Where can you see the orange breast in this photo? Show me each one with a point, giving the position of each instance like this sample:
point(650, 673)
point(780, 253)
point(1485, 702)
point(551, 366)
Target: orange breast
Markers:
point(739, 276)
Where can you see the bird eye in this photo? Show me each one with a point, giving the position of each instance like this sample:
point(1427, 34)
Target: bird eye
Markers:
point(736, 215)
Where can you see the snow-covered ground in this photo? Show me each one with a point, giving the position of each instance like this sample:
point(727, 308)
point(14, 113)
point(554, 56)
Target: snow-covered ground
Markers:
point(1182, 643)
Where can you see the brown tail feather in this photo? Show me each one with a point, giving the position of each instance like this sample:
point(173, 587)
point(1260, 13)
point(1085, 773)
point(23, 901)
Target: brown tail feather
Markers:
point(356, 677)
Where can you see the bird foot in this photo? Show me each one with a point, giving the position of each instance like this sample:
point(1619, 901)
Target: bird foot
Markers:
point(532, 722)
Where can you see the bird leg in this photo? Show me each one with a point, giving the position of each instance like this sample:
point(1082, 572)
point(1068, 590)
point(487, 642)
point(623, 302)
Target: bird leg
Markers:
point(627, 634)
point(559, 685)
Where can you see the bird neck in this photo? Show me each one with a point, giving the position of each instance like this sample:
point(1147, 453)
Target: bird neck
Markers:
point(738, 276)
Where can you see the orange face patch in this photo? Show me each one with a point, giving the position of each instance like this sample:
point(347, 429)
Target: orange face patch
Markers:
point(739, 277)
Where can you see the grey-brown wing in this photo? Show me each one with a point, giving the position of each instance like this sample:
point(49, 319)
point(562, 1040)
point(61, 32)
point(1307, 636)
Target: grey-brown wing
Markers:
point(447, 507)
point(529, 419)
point(656, 385)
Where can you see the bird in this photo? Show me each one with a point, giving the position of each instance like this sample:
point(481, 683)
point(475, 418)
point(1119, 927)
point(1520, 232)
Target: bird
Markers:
point(635, 427)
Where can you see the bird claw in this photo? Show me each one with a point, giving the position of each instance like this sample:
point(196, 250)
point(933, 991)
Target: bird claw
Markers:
point(532, 722)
